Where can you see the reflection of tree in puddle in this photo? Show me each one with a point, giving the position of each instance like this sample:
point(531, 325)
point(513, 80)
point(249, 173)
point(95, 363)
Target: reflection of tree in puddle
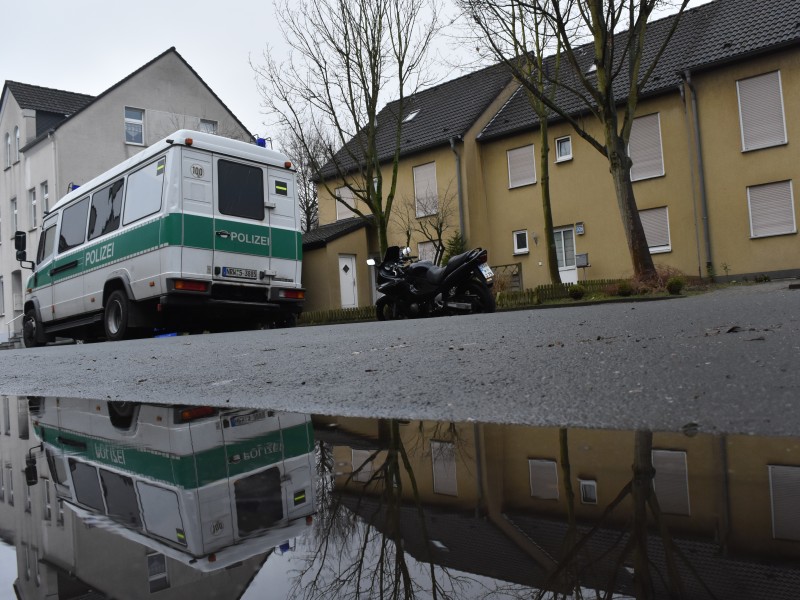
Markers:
point(359, 550)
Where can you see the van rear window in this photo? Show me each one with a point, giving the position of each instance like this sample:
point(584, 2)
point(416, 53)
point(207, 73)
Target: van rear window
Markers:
point(240, 190)
point(259, 502)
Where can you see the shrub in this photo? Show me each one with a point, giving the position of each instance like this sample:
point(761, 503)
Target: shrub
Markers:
point(454, 246)
point(675, 285)
point(624, 288)
point(576, 292)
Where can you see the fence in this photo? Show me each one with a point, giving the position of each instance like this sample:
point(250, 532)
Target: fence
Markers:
point(560, 291)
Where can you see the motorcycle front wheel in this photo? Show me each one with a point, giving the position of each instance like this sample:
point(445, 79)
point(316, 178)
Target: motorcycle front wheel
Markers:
point(386, 309)
point(481, 297)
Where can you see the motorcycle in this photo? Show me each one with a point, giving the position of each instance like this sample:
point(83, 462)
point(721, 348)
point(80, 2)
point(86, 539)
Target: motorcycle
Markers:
point(421, 289)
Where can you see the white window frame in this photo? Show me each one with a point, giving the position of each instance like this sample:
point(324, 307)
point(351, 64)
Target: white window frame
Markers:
point(426, 190)
point(443, 465)
point(520, 172)
point(2, 297)
point(362, 459)
point(154, 580)
point(757, 119)
point(762, 230)
point(563, 157)
point(426, 251)
point(559, 231)
point(32, 206)
point(132, 121)
point(543, 490)
point(651, 151)
point(14, 216)
point(784, 492)
point(342, 211)
point(16, 144)
point(410, 116)
point(517, 248)
point(8, 150)
point(208, 126)
point(587, 484)
point(668, 477)
point(47, 501)
point(658, 248)
point(45, 195)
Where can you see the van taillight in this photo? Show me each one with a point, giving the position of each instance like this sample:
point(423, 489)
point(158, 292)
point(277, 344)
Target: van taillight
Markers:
point(191, 286)
point(197, 412)
point(293, 294)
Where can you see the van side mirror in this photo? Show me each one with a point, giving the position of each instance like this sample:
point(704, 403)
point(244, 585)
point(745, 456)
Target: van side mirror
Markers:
point(20, 241)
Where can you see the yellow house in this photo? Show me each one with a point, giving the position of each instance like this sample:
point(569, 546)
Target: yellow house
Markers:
point(713, 165)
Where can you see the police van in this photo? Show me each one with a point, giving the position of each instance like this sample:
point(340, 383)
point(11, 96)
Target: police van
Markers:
point(205, 486)
point(197, 231)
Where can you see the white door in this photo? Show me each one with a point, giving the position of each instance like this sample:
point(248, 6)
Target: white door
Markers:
point(565, 252)
point(347, 280)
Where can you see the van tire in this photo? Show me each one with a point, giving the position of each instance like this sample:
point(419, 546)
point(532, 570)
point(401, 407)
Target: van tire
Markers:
point(115, 316)
point(30, 329)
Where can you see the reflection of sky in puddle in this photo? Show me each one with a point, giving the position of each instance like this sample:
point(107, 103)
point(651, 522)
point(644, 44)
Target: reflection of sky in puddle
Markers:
point(474, 510)
point(8, 569)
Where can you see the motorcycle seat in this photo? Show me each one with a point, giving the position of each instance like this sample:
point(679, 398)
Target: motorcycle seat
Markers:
point(436, 275)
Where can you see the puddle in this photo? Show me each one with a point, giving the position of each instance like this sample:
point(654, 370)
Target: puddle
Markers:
point(126, 500)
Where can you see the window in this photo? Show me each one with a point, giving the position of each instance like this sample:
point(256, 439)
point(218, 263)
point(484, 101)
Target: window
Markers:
point(8, 150)
point(521, 242)
point(9, 485)
point(345, 194)
point(240, 190)
point(207, 126)
point(87, 485)
point(362, 463)
point(644, 148)
point(671, 482)
point(443, 455)
point(134, 126)
point(2, 485)
point(157, 571)
point(588, 489)
point(45, 197)
point(655, 222)
point(410, 116)
point(426, 251)
point(544, 479)
point(106, 208)
point(120, 497)
point(563, 149)
point(761, 114)
point(2, 296)
point(47, 242)
point(259, 501)
point(426, 194)
point(771, 209)
point(32, 207)
point(784, 487)
point(14, 219)
point(143, 194)
point(565, 247)
point(28, 502)
point(16, 144)
point(48, 501)
point(73, 226)
point(6, 416)
point(521, 166)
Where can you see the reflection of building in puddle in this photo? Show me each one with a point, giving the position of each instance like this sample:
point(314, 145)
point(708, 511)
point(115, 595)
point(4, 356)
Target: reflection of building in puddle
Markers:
point(637, 513)
point(151, 498)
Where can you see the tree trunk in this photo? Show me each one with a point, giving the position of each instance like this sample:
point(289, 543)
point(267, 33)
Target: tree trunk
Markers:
point(620, 167)
point(547, 213)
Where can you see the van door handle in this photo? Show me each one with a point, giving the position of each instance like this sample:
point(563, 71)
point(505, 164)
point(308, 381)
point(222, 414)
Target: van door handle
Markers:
point(65, 267)
point(224, 234)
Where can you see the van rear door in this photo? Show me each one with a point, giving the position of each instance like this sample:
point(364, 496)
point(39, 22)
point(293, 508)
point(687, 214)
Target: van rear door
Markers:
point(242, 237)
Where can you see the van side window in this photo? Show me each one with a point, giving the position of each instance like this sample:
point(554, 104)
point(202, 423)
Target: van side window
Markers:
point(143, 196)
point(106, 209)
point(241, 190)
point(73, 226)
point(47, 242)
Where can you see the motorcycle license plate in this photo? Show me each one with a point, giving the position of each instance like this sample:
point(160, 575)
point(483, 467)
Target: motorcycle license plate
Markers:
point(486, 271)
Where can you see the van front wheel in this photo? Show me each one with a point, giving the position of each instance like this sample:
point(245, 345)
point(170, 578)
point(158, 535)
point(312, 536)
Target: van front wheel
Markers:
point(115, 316)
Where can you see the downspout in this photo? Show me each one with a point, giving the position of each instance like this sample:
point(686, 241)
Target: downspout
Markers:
point(453, 141)
point(682, 91)
point(687, 77)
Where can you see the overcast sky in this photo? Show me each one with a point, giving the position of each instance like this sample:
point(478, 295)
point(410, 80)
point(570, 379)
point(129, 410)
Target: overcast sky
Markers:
point(87, 46)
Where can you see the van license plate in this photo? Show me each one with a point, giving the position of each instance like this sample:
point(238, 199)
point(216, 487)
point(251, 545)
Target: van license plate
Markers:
point(239, 420)
point(241, 273)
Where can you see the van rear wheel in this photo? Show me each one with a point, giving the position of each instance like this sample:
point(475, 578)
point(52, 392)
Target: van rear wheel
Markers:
point(115, 316)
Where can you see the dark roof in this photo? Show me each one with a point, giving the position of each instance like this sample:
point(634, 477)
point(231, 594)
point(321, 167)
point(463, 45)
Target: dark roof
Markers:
point(446, 110)
point(319, 237)
point(48, 100)
point(707, 36)
point(89, 100)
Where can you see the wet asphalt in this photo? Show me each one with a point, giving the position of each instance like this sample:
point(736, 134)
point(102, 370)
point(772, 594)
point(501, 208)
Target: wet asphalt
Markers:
point(725, 361)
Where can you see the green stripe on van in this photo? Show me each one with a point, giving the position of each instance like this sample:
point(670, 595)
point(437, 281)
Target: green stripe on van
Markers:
point(190, 471)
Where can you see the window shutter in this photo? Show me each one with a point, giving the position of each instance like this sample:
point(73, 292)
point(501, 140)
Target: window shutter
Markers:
point(671, 481)
point(655, 222)
point(645, 148)
point(771, 209)
point(544, 479)
point(784, 483)
point(521, 166)
point(425, 190)
point(761, 111)
point(443, 455)
point(346, 194)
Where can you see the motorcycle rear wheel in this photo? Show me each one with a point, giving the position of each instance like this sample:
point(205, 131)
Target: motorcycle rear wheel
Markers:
point(481, 297)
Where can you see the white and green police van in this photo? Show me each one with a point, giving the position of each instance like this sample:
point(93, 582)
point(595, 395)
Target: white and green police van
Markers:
point(197, 231)
point(205, 486)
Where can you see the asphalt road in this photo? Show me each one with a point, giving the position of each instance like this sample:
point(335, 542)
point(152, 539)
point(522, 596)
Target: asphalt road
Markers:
point(727, 361)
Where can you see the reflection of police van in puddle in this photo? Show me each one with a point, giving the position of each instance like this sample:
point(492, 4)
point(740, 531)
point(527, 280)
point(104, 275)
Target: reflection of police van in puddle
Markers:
point(204, 486)
point(195, 231)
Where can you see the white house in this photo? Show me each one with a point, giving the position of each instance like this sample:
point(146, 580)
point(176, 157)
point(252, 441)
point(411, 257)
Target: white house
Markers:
point(54, 140)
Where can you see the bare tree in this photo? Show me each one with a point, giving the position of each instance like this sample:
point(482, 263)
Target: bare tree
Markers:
point(304, 155)
point(348, 59)
point(608, 90)
point(428, 218)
